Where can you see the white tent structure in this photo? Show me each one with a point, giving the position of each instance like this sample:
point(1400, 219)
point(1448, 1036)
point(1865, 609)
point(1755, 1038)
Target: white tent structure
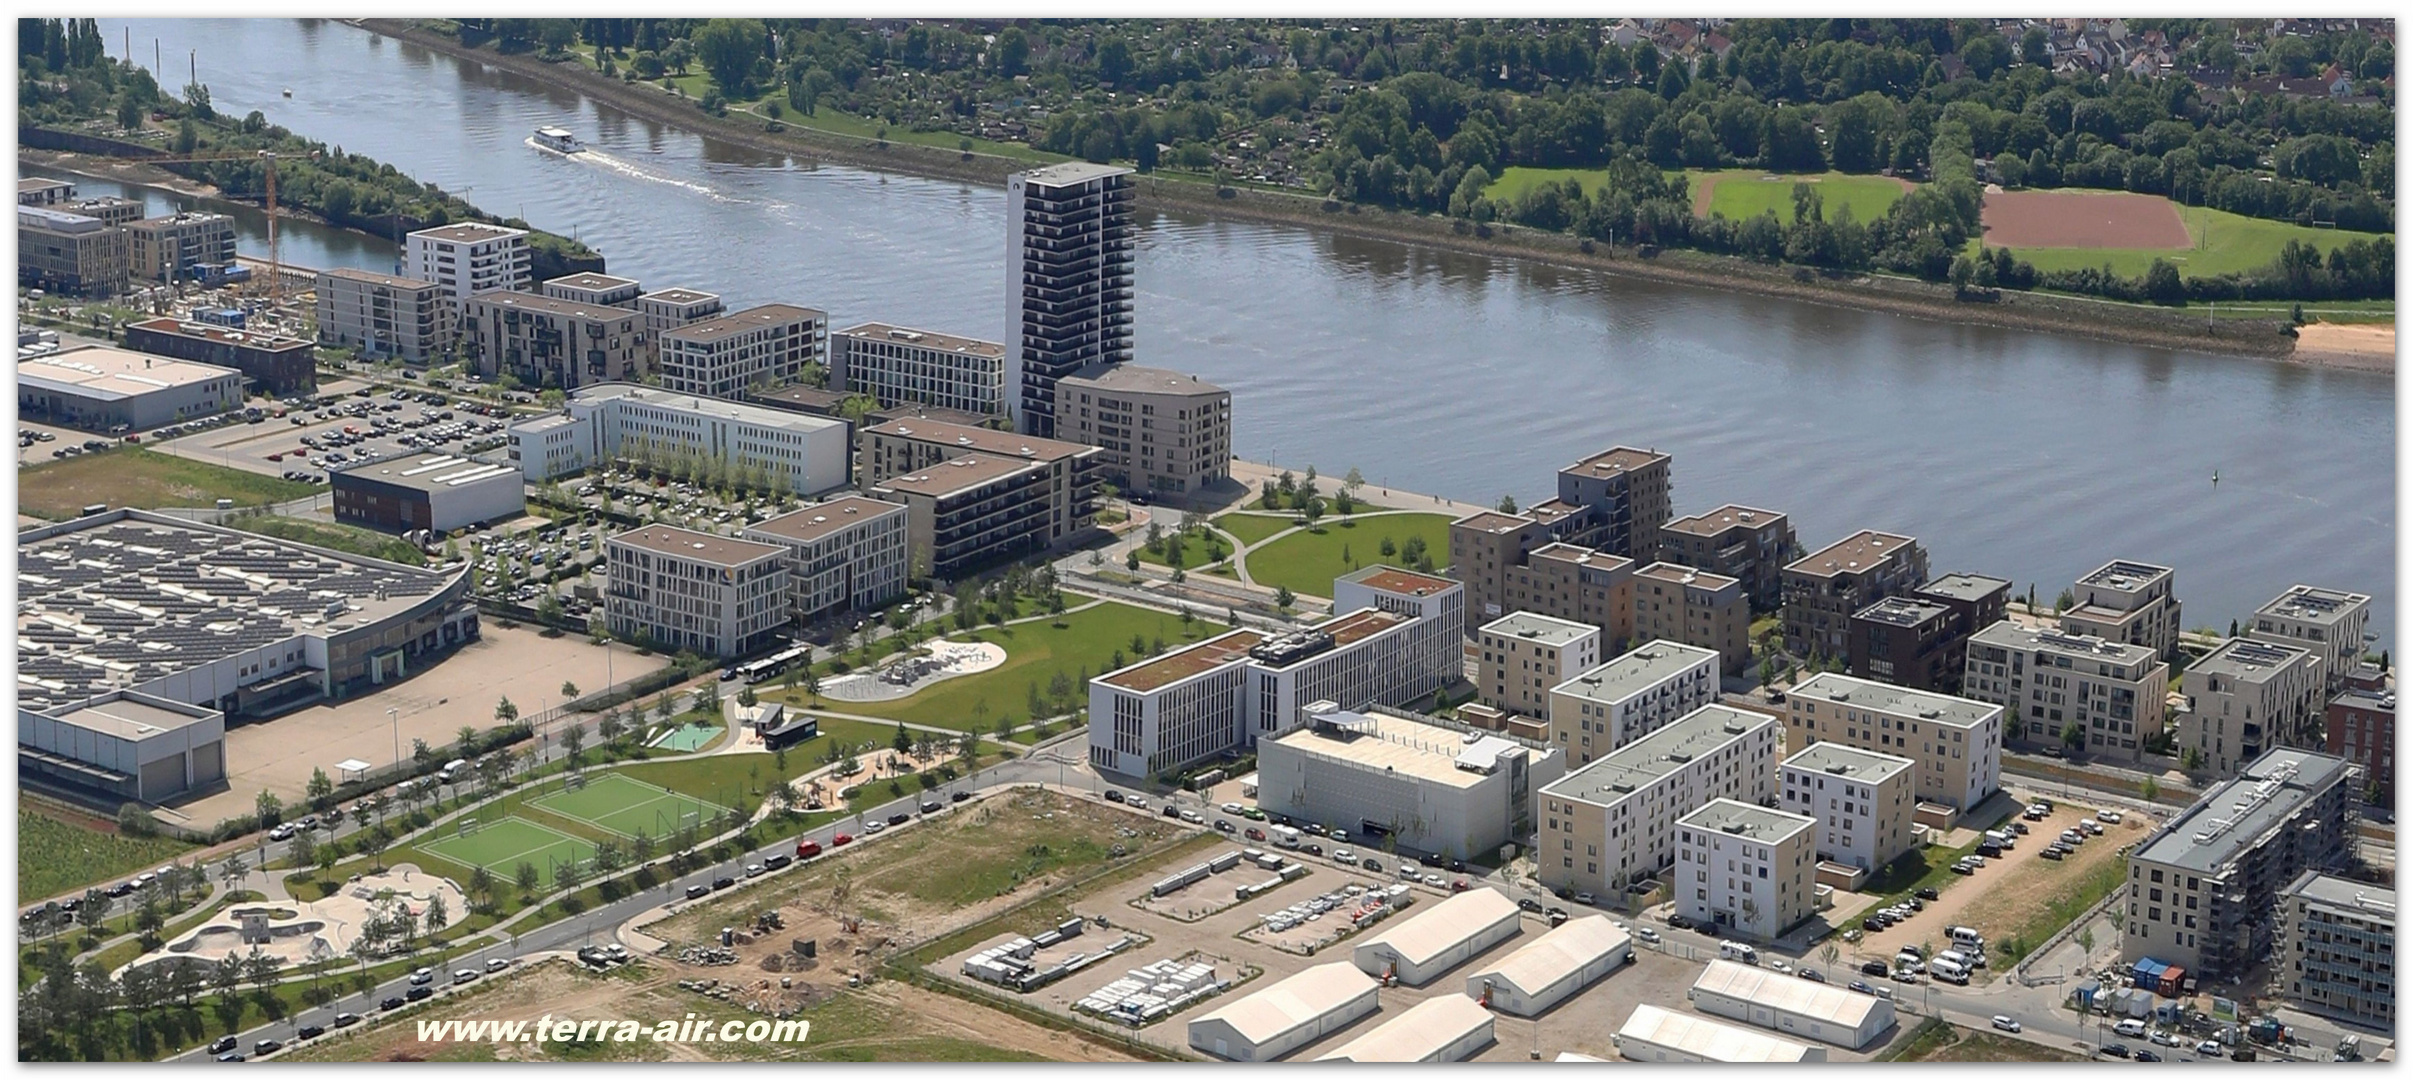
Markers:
point(1449, 1027)
point(1553, 968)
point(1446, 935)
point(1654, 1034)
point(1287, 1015)
point(1791, 1005)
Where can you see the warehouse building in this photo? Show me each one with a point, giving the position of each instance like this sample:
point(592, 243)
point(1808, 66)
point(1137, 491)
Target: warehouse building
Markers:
point(1765, 998)
point(1444, 1028)
point(1450, 933)
point(1287, 1015)
point(1430, 788)
point(1654, 1034)
point(277, 366)
point(1557, 966)
point(441, 493)
point(99, 388)
point(133, 746)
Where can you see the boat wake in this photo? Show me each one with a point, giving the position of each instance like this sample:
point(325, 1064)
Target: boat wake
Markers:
point(634, 171)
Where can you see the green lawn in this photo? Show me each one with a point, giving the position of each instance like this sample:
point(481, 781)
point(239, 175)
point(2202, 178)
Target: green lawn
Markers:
point(1741, 193)
point(1307, 562)
point(337, 537)
point(145, 479)
point(55, 855)
point(2224, 243)
point(1195, 551)
point(1515, 180)
point(1250, 528)
point(1035, 652)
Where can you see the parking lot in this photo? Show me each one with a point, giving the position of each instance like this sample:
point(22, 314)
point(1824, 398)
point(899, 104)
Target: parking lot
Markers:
point(346, 424)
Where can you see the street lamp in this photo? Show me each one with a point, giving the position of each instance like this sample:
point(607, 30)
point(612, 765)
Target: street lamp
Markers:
point(393, 719)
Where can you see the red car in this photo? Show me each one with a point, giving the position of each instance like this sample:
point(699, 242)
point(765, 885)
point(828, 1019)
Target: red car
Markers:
point(841, 840)
point(1459, 885)
point(806, 849)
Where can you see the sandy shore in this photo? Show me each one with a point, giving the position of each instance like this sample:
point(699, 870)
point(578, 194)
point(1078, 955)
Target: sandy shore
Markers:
point(2354, 346)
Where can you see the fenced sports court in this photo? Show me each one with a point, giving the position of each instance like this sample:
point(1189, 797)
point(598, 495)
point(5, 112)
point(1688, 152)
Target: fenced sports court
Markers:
point(624, 807)
point(503, 844)
point(687, 738)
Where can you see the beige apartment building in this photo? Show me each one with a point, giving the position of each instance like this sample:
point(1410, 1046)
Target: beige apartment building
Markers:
point(682, 589)
point(1626, 495)
point(470, 258)
point(384, 315)
point(1746, 869)
point(69, 253)
point(106, 209)
point(1612, 822)
point(759, 347)
point(1069, 471)
point(1740, 542)
point(1162, 431)
point(848, 553)
point(603, 290)
point(2129, 601)
point(971, 510)
point(2049, 679)
point(1864, 802)
point(544, 342)
point(668, 309)
point(1696, 607)
point(2249, 696)
point(1956, 742)
point(2330, 622)
point(170, 248)
point(2335, 952)
point(1825, 588)
point(1631, 696)
point(1524, 655)
point(899, 366)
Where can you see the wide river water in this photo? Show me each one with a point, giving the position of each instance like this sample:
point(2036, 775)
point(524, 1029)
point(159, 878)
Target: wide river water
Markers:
point(2022, 455)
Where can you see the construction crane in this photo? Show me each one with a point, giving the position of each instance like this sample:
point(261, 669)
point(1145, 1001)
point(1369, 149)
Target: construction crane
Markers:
point(267, 159)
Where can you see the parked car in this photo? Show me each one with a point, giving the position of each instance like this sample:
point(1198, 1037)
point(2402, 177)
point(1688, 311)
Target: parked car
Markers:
point(722, 883)
point(2005, 1023)
point(224, 1045)
point(390, 1004)
point(346, 1019)
point(1812, 974)
point(310, 1031)
point(1874, 967)
point(2113, 1050)
point(420, 993)
point(1858, 987)
point(899, 819)
point(1113, 796)
point(1927, 893)
point(2148, 1055)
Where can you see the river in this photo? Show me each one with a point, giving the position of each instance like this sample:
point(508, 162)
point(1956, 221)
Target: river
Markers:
point(2022, 455)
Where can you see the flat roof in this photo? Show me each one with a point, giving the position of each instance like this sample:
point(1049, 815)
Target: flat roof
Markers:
point(1492, 521)
point(2308, 603)
point(2233, 816)
point(1298, 1000)
point(1565, 950)
point(1851, 762)
point(802, 396)
point(1184, 662)
point(1853, 554)
point(2011, 635)
point(1680, 574)
point(697, 546)
point(1392, 579)
point(759, 415)
point(1702, 1037)
point(551, 305)
point(592, 281)
point(125, 718)
point(389, 280)
point(955, 474)
point(1649, 759)
point(2124, 575)
point(2344, 895)
point(40, 183)
point(56, 220)
point(127, 597)
point(1355, 627)
point(925, 339)
point(224, 335)
point(1541, 629)
point(1384, 743)
point(1900, 701)
point(1969, 588)
point(1649, 664)
point(1426, 936)
point(438, 472)
point(1579, 556)
point(823, 518)
point(470, 232)
point(1616, 459)
point(681, 297)
point(1736, 818)
point(1549, 512)
point(2250, 660)
point(1423, 1030)
point(1903, 611)
point(1067, 173)
point(181, 217)
point(1824, 1002)
point(1134, 379)
point(753, 318)
point(990, 440)
point(114, 374)
point(1729, 516)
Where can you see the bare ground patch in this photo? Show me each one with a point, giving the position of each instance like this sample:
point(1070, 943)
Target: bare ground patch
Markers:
point(2084, 219)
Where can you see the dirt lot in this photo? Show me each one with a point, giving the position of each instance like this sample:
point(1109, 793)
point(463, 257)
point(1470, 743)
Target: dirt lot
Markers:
point(2095, 219)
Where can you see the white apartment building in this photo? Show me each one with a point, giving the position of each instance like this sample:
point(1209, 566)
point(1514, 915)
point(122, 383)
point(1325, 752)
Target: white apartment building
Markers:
point(1435, 650)
point(602, 290)
point(2127, 601)
point(803, 454)
point(1381, 777)
point(1612, 823)
point(1524, 655)
point(2251, 695)
point(844, 554)
point(2335, 952)
point(2327, 621)
point(681, 589)
point(900, 366)
point(470, 258)
point(1629, 697)
point(759, 347)
point(2049, 679)
point(1746, 869)
point(668, 309)
point(1861, 800)
point(384, 315)
point(1956, 742)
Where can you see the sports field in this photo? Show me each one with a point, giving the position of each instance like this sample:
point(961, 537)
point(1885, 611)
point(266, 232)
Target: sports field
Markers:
point(502, 845)
point(1737, 194)
point(2217, 242)
point(624, 807)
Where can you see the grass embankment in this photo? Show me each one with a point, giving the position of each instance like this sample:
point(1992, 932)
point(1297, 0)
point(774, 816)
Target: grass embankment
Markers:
point(1197, 551)
point(55, 855)
point(145, 479)
point(1307, 561)
point(1935, 1040)
point(337, 537)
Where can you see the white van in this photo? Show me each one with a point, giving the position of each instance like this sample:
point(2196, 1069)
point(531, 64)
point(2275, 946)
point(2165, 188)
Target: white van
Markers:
point(2132, 1028)
point(1735, 950)
point(2000, 837)
point(1966, 936)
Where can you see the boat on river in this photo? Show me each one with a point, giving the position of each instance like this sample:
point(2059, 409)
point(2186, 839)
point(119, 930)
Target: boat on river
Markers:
point(557, 139)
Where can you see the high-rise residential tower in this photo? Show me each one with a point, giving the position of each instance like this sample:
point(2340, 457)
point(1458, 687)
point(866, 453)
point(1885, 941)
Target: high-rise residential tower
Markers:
point(1069, 240)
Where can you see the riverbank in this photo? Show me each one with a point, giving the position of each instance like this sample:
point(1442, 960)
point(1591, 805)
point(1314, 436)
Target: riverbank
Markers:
point(133, 171)
point(2351, 346)
point(2072, 316)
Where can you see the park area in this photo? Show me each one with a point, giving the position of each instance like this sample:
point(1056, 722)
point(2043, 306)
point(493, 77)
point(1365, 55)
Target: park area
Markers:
point(1740, 194)
point(1306, 561)
point(144, 479)
point(2073, 230)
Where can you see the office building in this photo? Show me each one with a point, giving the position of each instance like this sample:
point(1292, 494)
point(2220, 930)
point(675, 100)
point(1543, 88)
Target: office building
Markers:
point(1449, 1027)
point(2127, 601)
point(436, 492)
point(1655, 1035)
point(2361, 727)
point(555, 344)
point(2049, 679)
point(1069, 470)
point(675, 589)
point(848, 553)
point(599, 290)
point(470, 258)
point(1862, 801)
point(1629, 697)
point(384, 315)
point(1746, 869)
point(1385, 778)
point(1289, 1014)
point(2328, 622)
point(43, 191)
point(176, 247)
point(69, 253)
point(1825, 588)
point(1069, 245)
point(1679, 603)
point(1161, 431)
point(1956, 742)
point(272, 365)
point(1624, 496)
point(668, 309)
point(1792, 1006)
point(971, 511)
point(1555, 967)
point(1434, 653)
point(759, 347)
point(2204, 887)
point(1741, 542)
point(2248, 696)
point(1524, 655)
point(803, 455)
point(1612, 823)
point(1417, 949)
point(2335, 949)
point(129, 746)
point(897, 366)
point(107, 209)
point(98, 388)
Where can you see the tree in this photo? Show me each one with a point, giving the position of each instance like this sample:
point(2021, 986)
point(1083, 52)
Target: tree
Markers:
point(1131, 561)
point(1508, 504)
point(902, 741)
point(525, 876)
point(2191, 759)
point(728, 49)
point(2073, 735)
point(134, 820)
point(573, 743)
point(746, 697)
point(435, 916)
point(2151, 789)
point(1283, 597)
point(304, 849)
point(231, 872)
point(269, 808)
point(505, 713)
point(569, 690)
